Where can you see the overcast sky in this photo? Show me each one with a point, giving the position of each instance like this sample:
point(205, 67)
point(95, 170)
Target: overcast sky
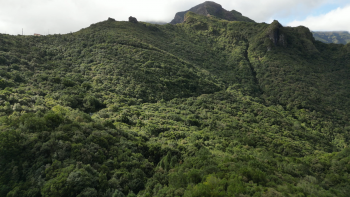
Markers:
point(64, 16)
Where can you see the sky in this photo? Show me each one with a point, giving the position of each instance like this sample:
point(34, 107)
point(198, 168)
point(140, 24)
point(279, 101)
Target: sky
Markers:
point(64, 16)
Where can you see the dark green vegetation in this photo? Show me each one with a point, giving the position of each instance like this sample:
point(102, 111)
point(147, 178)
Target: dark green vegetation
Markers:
point(337, 37)
point(210, 8)
point(208, 107)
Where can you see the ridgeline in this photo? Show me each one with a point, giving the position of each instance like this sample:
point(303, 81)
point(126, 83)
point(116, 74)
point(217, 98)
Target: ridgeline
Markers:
point(205, 107)
point(336, 37)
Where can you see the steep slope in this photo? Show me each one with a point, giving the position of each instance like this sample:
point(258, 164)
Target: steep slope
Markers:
point(285, 62)
point(116, 62)
point(208, 107)
point(210, 8)
point(337, 37)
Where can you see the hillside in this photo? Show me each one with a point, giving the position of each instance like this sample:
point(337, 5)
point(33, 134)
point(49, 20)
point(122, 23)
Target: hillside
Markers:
point(210, 8)
point(337, 37)
point(208, 107)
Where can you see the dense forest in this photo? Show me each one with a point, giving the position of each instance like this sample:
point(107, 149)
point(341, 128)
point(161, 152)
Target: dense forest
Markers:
point(208, 107)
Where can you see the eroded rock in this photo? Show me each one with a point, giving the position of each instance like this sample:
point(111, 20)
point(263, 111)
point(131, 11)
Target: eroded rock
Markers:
point(275, 34)
point(132, 20)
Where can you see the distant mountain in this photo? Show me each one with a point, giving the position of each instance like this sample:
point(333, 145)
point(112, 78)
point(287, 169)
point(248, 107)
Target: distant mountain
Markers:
point(157, 22)
point(214, 9)
point(337, 37)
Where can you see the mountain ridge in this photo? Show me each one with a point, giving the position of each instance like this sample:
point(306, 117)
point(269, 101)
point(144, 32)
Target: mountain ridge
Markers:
point(209, 8)
point(337, 37)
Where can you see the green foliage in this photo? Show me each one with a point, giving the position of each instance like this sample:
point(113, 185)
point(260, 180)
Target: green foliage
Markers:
point(208, 107)
point(332, 37)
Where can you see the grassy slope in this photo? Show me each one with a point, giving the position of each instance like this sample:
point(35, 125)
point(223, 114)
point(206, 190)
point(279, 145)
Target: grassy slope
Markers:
point(231, 117)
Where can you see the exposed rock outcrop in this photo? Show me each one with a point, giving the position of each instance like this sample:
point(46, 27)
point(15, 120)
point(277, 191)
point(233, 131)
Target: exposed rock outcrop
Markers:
point(275, 34)
point(132, 20)
point(210, 8)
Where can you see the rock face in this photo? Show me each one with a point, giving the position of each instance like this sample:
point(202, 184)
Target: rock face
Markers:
point(275, 34)
point(210, 8)
point(132, 20)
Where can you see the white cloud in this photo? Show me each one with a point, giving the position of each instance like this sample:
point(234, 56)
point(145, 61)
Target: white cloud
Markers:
point(63, 16)
point(336, 20)
point(266, 10)
point(259, 10)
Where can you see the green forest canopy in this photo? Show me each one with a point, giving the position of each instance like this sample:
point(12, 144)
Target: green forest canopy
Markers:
point(208, 107)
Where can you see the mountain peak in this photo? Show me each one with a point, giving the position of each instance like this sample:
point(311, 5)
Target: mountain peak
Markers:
point(211, 8)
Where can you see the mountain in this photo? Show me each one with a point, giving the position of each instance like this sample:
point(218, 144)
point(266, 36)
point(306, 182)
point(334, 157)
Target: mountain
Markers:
point(208, 107)
point(156, 22)
point(337, 37)
point(210, 8)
